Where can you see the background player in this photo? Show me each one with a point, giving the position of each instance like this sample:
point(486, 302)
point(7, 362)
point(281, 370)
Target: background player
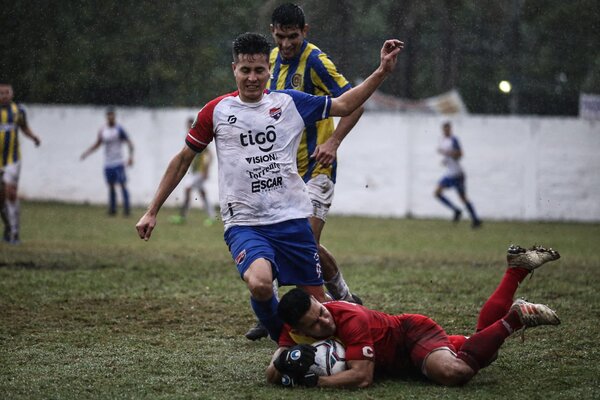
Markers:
point(264, 202)
point(454, 176)
point(12, 118)
point(112, 136)
point(397, 344)
point(300, 65)
point(195, 179)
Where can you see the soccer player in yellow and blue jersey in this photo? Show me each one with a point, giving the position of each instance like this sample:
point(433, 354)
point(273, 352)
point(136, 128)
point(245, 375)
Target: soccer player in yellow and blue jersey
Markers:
point(12, 119)
point(195, 179)
point(298, 64)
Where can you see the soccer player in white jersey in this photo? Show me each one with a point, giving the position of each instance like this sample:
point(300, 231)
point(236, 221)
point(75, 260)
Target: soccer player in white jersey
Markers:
point(112, 136)
point(264, 201)
point(454, 177)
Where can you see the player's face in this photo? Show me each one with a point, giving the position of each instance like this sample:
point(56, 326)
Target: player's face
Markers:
point(289, 39)
point(447, 130)
point(110, 117)
point(251, 73)
point(317, 322)
point(6, 94)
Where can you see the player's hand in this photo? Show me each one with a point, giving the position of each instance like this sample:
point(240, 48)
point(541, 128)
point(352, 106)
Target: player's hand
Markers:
point(145, 226)
point(309, 379)
point(296, 360)
point(389, 54)
point(326, 153)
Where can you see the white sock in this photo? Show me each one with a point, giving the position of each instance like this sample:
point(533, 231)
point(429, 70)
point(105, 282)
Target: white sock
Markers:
point(338, 288)
point(12, 211)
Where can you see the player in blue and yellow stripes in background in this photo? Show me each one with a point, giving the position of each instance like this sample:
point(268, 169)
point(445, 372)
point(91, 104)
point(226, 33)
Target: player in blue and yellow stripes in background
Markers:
point(300, 65)
point(12, 118)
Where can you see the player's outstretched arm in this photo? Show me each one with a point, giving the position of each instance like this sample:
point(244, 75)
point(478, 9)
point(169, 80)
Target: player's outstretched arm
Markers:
point(92, 148)
point(358, 375)
point(173, 175)
point(355, 97)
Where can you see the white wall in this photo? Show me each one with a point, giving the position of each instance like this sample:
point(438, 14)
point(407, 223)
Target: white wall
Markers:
point(523, 168)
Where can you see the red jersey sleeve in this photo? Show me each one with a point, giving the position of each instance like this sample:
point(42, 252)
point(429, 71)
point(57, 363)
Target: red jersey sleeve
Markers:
point(202, 131)
point(353, 329)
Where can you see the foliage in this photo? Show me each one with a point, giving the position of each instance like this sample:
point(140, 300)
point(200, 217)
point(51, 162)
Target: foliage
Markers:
point(87, 310)
point(152, 54)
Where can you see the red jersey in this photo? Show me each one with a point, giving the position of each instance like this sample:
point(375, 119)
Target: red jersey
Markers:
point(366, 334)
point(394, 342)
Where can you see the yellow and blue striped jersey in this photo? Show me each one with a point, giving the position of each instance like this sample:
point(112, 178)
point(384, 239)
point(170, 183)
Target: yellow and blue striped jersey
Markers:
point(12, 117)
point(200, 162)
point(314, 73)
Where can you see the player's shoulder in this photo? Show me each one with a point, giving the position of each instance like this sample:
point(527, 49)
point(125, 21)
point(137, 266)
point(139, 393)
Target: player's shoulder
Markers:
point(273, 55)
point(212, 104)
point(343, 306)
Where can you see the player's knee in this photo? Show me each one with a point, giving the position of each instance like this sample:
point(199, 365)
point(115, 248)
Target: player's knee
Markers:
point(445, 369)
point(260, 289)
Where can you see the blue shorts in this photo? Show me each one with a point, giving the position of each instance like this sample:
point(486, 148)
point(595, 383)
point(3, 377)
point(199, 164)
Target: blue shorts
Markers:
point(289, 246)
point(457, 182)
point(115, 174)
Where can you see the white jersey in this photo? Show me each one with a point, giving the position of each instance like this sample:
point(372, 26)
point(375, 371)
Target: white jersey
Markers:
point(256, 146)
point(112, 138)
point(452, 164)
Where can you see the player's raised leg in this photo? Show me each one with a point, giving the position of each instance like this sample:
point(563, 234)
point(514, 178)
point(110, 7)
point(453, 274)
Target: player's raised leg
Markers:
point(521, 262)
point(445, 367)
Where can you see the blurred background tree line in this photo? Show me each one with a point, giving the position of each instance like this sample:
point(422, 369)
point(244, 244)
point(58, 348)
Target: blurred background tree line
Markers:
point(177, 53)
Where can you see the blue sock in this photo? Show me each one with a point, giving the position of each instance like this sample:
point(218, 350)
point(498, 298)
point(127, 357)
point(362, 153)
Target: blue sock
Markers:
point(266, 311)
point(125, 201)
point(471, 211)
point(447, 202)
point(112, 197)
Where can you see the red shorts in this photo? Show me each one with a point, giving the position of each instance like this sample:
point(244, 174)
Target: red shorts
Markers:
point(422, 335)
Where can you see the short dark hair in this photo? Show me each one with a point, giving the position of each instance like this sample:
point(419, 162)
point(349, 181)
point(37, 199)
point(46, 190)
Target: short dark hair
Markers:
point(110, 110)
point(293, 305)
point(288, 14)
point(250, 43)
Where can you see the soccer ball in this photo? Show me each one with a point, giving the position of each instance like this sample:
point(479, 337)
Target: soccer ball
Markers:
point(330, 357)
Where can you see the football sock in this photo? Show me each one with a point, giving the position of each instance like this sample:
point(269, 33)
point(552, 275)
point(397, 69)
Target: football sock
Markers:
point(266, 311)
point(337, 287)
point(471, 211)
point(210, 211)
point(4, 215)
point(185, 206)
point(498, 304)
point(125, 200)
point(12, 211)
point(447, 202)
point(112, 200)
point(481, 349)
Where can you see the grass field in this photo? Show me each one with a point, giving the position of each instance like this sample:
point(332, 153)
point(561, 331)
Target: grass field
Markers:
point(87, 310)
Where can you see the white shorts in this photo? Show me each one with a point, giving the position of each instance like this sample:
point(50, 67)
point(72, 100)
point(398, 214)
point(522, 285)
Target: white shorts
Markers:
point(320, 191)
point(11, 173)
point(194, 181)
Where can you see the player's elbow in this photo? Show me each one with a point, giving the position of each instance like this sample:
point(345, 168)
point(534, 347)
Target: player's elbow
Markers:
point(364, 379)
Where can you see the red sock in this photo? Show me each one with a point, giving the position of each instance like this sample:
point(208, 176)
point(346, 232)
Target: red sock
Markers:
point(500, 301)
point(481, 349)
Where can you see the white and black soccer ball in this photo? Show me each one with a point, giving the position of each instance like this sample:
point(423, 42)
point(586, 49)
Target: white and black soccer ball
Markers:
point(330, 357)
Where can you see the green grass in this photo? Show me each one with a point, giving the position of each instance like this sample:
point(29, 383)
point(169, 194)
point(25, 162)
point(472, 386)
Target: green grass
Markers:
point(88, 310)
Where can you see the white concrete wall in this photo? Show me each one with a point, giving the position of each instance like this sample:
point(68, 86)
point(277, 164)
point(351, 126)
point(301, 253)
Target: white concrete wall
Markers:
point(523, 168)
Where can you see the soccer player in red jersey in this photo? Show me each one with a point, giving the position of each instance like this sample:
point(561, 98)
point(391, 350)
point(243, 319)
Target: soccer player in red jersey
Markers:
point(377, 342)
